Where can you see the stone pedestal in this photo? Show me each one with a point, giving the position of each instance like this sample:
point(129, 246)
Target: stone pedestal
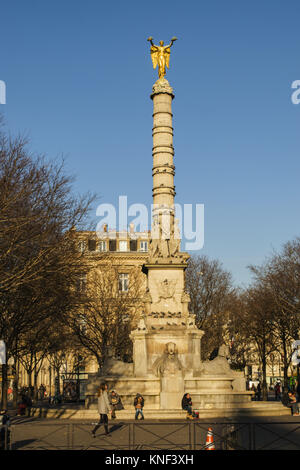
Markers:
point(172, 387)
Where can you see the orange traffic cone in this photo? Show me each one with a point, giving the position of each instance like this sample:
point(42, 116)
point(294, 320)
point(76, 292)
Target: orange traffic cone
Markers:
point(209, 445)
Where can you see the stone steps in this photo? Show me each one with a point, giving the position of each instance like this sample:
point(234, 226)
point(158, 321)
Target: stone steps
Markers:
point(247, 409)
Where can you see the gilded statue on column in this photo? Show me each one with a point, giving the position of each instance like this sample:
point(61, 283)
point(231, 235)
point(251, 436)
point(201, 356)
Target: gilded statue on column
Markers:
point(160, 56)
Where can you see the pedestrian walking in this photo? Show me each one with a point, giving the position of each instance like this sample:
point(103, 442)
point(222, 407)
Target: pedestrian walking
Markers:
point(258, 391)
point(139, 405)
point(186, 404)
point(10, 393)
point(42, 392)
point(103, 409)
point(22, 405)
point(115, 403)
point(277, 390)
point(253, 390)
point(29, 404)
point(4, 429)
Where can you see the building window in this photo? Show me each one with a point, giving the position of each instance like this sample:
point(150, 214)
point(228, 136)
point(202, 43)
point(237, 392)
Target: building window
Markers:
point(123, 245)
point(144, 246)
point(81, 283)
point(82, 246)
point(92, 245)
point(133, 245)
point(102, 246)
point(112, 245)
point(123, 282)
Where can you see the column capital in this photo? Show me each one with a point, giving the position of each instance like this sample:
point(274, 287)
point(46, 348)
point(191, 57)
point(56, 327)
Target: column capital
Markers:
point(162, 86)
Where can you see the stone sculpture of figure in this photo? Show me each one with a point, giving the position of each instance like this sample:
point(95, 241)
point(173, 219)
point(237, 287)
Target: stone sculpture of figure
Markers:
point(142, 325)
point(155, 239)
point(147, 299)
point(160, 56)
point(223, 351)
point(219, 365)
point(168, 363)
point(174, 242)
point(117, 368)
point(165, 237)
point(176, 230)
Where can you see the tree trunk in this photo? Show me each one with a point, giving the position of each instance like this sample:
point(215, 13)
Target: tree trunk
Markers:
point(57, 381)
point(264, 381)
point(35, 392)
point(285, 364)
point(264, 372)
point(29, 374)
point(285, 375)
point(15, 384)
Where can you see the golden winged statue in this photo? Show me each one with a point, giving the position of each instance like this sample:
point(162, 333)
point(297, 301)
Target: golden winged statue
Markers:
point(160, 55)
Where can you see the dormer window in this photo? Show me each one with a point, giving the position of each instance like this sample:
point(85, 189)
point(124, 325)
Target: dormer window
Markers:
point(82, 246)
point(123, 245)
point(102, 245)
point(143, 246)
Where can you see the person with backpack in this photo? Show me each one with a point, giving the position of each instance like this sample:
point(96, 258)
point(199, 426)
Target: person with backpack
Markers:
point(139, 405)
point(115, 403)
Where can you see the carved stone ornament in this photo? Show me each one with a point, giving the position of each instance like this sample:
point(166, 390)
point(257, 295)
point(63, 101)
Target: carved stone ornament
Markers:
point(168, 363)
point(166, 289)
point(162, 86)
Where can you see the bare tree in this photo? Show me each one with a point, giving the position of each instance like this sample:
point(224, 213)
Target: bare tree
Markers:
point(110, 313)
point(210, 288)
point(254, 323)
point(280, 277)
point(39, 260)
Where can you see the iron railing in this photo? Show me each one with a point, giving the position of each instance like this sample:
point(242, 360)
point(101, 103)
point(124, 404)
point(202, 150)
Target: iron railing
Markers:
point(155, 436)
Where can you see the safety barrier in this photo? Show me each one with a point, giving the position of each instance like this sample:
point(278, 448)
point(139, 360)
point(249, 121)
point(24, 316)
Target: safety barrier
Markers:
point(155, 436)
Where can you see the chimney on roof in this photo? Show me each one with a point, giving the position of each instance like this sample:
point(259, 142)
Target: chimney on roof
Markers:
point(105, 228)
point(131, 227)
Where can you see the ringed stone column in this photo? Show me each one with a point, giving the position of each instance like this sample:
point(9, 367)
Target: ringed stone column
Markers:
point(163, 151)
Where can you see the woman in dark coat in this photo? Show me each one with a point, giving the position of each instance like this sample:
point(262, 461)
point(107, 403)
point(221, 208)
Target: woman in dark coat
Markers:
point(186, 404)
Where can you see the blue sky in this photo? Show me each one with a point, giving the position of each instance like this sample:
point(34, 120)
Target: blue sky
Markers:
point(79, 75)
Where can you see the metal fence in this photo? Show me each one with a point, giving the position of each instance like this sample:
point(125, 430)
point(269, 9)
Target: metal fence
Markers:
point(154, 436)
